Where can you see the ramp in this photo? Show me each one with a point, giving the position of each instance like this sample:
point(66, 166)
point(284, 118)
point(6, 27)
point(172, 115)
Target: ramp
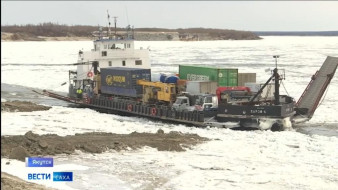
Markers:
point(308, 102)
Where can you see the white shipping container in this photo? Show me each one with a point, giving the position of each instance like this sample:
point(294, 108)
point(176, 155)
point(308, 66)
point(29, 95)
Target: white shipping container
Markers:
point(201, 87)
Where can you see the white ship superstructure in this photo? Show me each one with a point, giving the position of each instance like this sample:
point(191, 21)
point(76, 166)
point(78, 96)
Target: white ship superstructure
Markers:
point(114, 51)
point(110, 50)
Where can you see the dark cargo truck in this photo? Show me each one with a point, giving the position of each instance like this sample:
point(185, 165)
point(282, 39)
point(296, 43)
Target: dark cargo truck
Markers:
point(123, 81)
point(223, 77)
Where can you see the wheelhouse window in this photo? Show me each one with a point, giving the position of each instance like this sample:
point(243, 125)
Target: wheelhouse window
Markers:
point(119, 46)
point(123, 63)
point(138, 62)
point(104, 53)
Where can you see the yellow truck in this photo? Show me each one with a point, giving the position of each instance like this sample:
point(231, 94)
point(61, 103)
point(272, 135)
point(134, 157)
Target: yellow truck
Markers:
point(158, 92)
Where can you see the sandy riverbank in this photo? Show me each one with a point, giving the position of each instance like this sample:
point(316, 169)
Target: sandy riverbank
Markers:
point(21, 146)
point(9, 182)
point(31, 145)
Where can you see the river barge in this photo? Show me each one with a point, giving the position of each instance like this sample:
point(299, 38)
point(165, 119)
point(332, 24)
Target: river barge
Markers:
point(114, 77)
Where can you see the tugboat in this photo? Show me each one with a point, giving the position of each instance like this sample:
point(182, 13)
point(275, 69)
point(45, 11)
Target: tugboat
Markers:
point(110, 50)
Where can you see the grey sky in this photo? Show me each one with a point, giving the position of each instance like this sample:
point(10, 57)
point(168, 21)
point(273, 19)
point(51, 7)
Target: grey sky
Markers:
point(243, 15)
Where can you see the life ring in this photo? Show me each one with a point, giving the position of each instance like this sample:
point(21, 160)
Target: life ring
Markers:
point(86, 99)
point(89, 74)
point(130, 107)
point(153, 111)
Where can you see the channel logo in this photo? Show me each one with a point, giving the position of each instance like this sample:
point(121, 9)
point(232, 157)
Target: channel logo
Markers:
point(46, 162)
point(39, 162)
point(62, 176)
point(38, 176)
point(57, 176)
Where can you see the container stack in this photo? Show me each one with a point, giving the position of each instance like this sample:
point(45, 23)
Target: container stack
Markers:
point(123, 81)
point(246, 78)
point(223, 77)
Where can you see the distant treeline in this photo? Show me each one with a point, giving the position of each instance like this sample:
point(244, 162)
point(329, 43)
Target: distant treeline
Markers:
point(222, 34)
point(50, 30)
point(207, 33)
point(301, 33)
point(59, 30)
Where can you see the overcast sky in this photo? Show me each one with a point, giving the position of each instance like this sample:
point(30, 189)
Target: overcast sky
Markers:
point(243, 15)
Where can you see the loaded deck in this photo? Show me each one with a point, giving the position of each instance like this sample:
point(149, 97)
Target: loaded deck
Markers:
point(304, 108)
point(132, 107)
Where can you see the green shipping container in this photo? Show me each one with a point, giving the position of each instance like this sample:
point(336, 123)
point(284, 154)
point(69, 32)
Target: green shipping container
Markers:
point(223, 77)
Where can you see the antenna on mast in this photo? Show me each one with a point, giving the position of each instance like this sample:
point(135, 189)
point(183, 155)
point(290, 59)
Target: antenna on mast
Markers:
point(100, 32)
point(115, 20)
point(276, 57)
point(133, 32)
point(127, 14)
point(108, 24)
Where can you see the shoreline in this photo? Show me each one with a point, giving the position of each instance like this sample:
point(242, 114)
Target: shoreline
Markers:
point(139, 36)
point(65, 38)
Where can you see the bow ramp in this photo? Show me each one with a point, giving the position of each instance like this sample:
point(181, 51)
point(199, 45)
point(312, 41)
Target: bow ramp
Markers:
point(308, 102)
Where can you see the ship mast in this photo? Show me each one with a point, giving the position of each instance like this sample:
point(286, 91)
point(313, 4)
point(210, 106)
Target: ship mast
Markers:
point(100, 32)
point(115, 20)
point(277, 78)
point(109, 36)
point(274, 76)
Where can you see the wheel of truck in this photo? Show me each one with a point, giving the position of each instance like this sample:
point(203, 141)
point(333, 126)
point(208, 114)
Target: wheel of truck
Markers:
point(277, 127)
